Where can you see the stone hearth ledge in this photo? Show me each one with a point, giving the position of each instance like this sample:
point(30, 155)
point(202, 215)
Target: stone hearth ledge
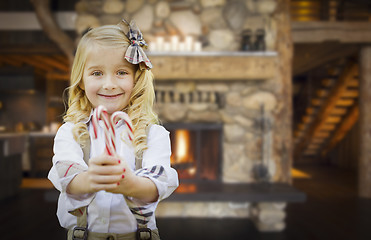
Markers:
point(214, 65)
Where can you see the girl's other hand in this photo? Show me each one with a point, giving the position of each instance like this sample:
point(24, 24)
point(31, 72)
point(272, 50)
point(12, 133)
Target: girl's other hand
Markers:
point(104, 173)
point(127, 180)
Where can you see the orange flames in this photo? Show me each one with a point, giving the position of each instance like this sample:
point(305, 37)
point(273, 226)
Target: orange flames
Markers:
point(182, 147)
point(183, 156)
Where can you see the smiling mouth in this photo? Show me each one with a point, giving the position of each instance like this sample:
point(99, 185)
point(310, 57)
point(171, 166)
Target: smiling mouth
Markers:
point(110, 96)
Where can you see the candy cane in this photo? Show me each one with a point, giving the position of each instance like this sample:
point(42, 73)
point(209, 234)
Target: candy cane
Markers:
point(100, 113)
point(116, 116)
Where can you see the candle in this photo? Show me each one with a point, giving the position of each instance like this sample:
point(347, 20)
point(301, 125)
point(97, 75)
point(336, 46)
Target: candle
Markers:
point(160, 43)
point(182, 47)
point(174, 43)
point(166, 47)
point(153, 46)
point(188, 43)
point(197, 46)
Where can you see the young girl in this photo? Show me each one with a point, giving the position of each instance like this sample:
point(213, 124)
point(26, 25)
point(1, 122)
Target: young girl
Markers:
point(111, 197)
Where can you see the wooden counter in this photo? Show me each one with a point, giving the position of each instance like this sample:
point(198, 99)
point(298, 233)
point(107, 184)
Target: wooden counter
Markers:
point(41, 153)
point(12, 146)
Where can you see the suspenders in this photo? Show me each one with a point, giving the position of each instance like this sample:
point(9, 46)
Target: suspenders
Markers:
point(80, 232)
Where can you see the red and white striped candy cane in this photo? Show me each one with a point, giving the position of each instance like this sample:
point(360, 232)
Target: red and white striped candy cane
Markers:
point(116, 116)
point(100, 113)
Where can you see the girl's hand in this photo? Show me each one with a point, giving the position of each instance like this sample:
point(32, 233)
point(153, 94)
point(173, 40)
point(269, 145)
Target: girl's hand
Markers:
point(131, 185)
point(104, 173)
point(127, 180)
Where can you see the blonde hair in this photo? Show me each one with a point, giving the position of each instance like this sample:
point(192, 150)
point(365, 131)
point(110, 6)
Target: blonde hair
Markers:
point(140, 106)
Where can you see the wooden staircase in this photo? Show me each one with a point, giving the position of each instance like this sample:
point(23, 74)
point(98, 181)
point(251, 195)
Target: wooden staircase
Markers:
point(331, 114)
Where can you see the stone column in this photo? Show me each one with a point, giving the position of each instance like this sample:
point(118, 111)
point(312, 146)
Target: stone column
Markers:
point(364, 179)
point(269, 216)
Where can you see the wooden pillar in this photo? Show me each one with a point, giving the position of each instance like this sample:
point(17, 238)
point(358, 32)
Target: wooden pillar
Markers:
point(364, 175)
point(284, 46)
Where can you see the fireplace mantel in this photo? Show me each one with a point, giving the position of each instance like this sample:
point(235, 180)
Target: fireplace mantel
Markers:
point(214, 65)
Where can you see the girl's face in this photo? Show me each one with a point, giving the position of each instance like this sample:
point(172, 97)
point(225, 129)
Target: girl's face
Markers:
point(108, 78)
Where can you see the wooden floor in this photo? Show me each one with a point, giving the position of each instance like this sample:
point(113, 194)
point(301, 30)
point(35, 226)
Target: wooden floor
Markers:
point(332, 211)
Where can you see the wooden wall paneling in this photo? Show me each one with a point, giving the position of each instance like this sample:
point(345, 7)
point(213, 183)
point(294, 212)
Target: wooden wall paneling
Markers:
point(364, 169)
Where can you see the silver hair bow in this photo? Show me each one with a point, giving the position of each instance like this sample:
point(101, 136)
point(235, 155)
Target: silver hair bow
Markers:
point(135, 54)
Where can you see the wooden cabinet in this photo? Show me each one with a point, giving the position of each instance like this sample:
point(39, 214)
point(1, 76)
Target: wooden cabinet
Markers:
point(11, 150)
point(41, 154)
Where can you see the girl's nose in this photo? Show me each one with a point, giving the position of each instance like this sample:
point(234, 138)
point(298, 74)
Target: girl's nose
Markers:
point(109, 82)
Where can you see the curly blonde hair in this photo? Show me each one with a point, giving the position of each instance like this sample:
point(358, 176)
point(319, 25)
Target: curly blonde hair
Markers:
point(140, 106)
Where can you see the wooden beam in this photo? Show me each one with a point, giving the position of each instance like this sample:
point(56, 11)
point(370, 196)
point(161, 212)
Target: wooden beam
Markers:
point(60, 58)
point(327, 107)
point(215, 66)
point(311, 56)
point(9, 61)
point(52, 29)
point(342, 130)
point(30, 49)
point(31, 62)
point(52, 76)
point(283, 125)
point(52, 62)
point(344, 32)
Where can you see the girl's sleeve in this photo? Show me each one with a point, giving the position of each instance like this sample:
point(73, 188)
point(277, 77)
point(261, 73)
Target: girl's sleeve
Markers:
point(156, 162)
point(68, 161)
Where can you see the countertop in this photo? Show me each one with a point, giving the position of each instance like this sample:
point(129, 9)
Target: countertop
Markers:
point(12, 143)
point(6, 135)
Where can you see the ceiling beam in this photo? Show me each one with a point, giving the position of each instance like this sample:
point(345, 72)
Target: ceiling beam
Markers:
point(9, 61)
point(63, 66)
point(344, 32)
point(27, 21)
point(30, 49)
point(52, 29)
point(311, 56)
point(29, 61)
point(57, 76)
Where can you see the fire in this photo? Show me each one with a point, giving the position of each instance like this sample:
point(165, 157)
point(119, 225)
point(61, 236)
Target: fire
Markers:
point(182, 146)
point(183, 158)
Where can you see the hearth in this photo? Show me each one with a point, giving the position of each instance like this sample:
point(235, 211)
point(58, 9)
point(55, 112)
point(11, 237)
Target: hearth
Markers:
point(196, 151)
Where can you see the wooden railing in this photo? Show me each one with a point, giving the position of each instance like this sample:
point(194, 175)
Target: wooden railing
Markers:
point(330, 10)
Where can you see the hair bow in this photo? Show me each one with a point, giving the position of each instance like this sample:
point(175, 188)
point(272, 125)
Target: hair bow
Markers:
point(135, 53)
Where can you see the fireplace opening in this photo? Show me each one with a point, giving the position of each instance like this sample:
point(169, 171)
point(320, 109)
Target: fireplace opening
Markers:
point(196, 151)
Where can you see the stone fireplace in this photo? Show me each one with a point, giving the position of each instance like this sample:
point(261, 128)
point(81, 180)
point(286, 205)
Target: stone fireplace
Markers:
point(236, 95)
point(230, 98)
point(226, 103)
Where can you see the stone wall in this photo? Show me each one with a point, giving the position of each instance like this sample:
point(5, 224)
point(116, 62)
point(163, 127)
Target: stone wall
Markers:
point(236, 104)
point(218, 24)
